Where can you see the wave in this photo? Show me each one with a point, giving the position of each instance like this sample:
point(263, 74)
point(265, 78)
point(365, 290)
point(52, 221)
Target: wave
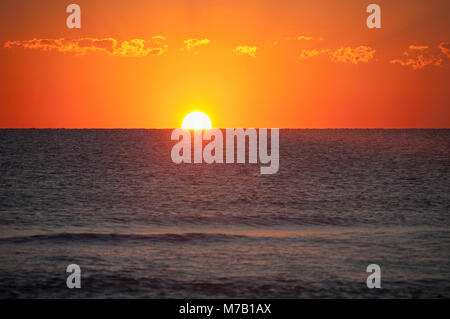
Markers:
point(112, 237)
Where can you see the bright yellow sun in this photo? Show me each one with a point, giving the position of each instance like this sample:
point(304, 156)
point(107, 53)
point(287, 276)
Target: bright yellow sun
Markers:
point(196, 121)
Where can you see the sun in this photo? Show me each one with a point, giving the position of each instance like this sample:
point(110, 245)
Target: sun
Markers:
point(196, 121)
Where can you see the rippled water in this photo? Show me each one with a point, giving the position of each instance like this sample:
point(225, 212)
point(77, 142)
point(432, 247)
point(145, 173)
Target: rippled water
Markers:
point(139, 225)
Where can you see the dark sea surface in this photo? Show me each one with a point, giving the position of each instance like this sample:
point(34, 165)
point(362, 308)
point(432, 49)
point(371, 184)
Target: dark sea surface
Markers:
point(139, 225)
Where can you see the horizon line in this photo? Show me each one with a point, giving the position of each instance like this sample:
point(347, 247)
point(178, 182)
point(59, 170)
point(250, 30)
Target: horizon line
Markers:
point(222, 128)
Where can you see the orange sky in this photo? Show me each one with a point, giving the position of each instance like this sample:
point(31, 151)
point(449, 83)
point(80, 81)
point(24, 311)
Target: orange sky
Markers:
point(259, 63)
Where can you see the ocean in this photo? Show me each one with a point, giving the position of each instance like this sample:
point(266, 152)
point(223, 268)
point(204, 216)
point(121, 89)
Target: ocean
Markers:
point(140, 226)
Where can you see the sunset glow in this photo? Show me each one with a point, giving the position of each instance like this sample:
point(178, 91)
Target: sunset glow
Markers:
point(291, 64)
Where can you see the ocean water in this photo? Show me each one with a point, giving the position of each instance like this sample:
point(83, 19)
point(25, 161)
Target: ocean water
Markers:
point(139, 225)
